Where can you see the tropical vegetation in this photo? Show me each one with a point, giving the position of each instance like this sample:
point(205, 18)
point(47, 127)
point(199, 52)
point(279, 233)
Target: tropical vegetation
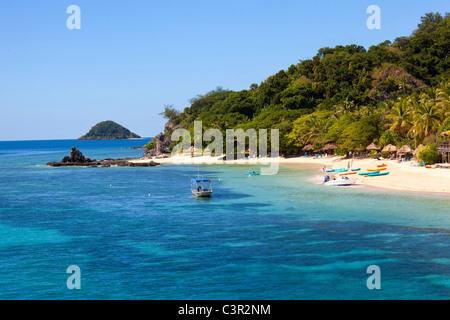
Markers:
point(109, 130)
point(391, 93)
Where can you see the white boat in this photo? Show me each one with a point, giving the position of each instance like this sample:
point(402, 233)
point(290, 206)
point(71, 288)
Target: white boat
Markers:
point(342, 181)
point(201, 187)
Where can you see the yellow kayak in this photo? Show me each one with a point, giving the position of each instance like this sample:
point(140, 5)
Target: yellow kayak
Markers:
point(379, 169)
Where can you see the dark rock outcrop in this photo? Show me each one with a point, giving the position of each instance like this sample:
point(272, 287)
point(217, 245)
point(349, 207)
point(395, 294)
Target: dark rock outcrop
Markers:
point(163, 141)
point(162, 144)
point(77, 159)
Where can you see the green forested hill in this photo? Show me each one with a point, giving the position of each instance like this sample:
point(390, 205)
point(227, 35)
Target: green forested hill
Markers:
point(346, 95)
point(108, 130)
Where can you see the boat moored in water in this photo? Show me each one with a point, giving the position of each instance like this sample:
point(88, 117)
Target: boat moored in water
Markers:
point(201, 187)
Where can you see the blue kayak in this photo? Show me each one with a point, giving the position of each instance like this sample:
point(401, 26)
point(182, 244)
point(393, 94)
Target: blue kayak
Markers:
point(375, 174)
point(252, 174)
point(367, 173)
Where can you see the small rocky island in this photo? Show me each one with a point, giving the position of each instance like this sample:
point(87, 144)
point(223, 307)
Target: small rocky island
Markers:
point(109, 130)
point(77, 159)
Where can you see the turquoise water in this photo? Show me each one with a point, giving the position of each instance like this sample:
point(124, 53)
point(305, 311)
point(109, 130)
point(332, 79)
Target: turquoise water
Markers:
point(137, 233)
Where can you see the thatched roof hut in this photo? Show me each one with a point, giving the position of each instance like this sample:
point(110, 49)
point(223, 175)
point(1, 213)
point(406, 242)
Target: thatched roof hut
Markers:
point(372, 146)
point(308, 147)
point(418, 149)
point(389, 148)
point(405, 150)
point(330, 146)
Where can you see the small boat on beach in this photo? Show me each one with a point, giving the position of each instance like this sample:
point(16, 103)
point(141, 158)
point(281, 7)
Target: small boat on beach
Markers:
point(366, 173)
point(374, 170)
point(382, 165)
point(376, 174)
point(201, 187)
point(356, 169)
point(347, 173)
point(343, 181)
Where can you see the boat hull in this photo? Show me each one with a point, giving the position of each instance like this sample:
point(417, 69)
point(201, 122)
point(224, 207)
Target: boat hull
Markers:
point(202, 194)
point(340, 182)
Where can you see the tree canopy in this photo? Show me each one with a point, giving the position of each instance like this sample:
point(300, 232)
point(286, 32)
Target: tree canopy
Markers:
point(348, 95)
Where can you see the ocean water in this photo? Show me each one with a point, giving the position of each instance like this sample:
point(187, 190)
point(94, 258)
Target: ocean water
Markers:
point(138, 233)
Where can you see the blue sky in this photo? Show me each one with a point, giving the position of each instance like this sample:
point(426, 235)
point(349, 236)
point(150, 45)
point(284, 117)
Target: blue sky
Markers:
point(130, 58)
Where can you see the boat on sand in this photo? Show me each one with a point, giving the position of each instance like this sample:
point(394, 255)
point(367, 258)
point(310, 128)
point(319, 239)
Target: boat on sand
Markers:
point(343, 181)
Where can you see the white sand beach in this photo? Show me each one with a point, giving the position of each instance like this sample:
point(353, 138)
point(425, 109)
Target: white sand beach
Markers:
point(402, 176)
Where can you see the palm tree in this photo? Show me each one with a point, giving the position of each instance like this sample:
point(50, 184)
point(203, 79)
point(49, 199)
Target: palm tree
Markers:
point(427, 117)
point(400, 118)
point(443, 100)
point(404, 83)
point(343, 108)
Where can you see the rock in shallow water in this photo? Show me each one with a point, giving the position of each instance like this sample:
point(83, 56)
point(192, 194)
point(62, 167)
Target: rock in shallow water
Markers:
point(77, 159)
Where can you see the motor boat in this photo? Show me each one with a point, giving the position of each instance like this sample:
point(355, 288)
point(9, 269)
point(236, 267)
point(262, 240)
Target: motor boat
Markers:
point(342, 181)
point(201, 187)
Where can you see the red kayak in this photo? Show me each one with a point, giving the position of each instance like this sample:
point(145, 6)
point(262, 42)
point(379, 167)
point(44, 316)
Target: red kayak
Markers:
point(346, 174)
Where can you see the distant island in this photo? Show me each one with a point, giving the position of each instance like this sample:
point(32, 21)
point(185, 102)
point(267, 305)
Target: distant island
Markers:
point(109, 130)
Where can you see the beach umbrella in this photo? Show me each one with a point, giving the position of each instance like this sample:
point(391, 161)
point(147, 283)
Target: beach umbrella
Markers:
point(389, 148)
point(372, 146)
point(405, 150)
point(309, 147)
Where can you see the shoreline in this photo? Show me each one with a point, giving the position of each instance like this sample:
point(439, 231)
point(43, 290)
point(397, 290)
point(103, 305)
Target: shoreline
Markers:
point(403, 177)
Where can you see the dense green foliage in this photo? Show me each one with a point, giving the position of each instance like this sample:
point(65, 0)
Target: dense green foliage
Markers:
point(108, 130)
point(347, 95)
point(150, 145)
point(428, 154)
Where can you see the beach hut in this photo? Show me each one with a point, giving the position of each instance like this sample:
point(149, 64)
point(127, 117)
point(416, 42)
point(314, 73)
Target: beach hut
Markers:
point(404, 151)
point(372, 146)
point(308, 149)
point(329, 148)
point(418, 149)
point(443, 147)
point(389, 149)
